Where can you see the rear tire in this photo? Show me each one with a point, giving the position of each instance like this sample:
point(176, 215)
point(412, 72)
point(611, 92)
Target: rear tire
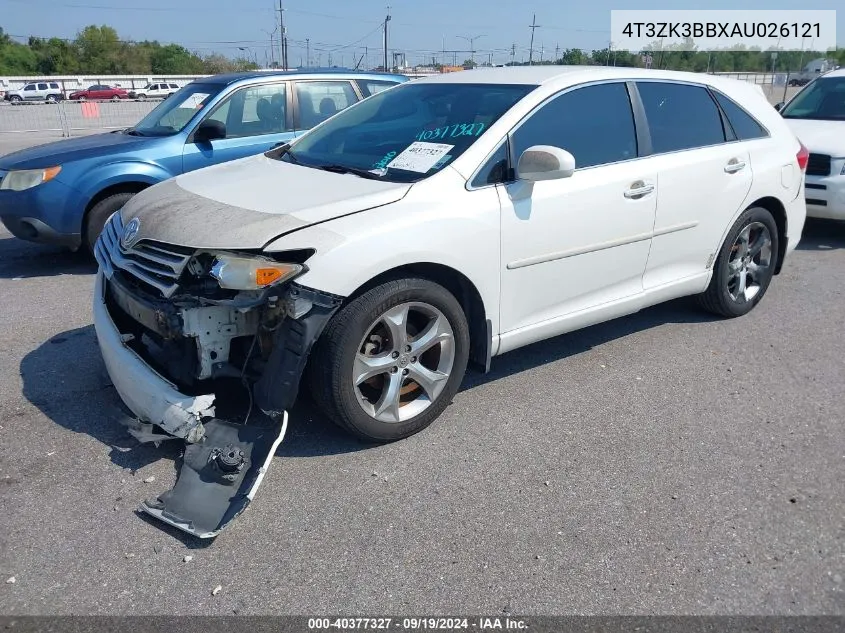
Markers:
point(364, 369)
point(99, 214)
point(745, 265)
point(51, 99)
point(115, 98)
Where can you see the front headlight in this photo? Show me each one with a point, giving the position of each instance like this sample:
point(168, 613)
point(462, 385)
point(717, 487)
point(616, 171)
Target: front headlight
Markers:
point(235, 272)
point(20, 179)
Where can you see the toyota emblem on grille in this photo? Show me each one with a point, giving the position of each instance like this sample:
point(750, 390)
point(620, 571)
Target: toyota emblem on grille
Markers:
point(130, 233)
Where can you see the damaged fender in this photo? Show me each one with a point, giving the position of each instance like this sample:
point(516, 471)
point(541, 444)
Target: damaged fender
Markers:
point(309, 310)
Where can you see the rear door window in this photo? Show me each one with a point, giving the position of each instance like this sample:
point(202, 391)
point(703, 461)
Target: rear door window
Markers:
point(319, 100)
point(680, 116)
point(370, 87)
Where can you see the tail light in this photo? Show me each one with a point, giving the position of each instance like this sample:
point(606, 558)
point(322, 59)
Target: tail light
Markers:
point(803, 157)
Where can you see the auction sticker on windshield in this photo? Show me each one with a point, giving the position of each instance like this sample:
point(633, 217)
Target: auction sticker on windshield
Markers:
point(194, 101)
point(420, 156)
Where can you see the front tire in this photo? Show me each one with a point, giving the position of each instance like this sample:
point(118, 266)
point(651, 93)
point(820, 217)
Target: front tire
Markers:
point(745, 265)
point(390, 361)
point(99, 214)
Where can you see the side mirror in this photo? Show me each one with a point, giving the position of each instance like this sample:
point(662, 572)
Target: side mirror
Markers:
point(545, 162)
point(778, 106)
point(209, 130)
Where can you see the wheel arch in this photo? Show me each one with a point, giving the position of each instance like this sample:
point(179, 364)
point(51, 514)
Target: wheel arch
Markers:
point(778, 211)
point(462, 288)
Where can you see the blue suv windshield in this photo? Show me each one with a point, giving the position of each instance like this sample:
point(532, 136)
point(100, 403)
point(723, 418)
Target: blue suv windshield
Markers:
point(174, 113)
point(406, 133)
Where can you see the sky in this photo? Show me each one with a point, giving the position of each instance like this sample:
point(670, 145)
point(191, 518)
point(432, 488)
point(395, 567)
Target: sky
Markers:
point(341, 32)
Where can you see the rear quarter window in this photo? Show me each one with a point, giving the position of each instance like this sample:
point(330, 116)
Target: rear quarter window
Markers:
point(744, 125)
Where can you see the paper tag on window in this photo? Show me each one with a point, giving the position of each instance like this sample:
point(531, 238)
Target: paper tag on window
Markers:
point(420, 156)
point(193, 101)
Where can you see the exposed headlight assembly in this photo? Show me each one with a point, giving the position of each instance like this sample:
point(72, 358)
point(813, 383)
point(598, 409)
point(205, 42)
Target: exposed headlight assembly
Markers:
point(236, 272)
point(21, 179)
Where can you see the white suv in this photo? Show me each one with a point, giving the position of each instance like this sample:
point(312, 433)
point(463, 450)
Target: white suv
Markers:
point(48, 91)
point(817, 116)
point(155, 91)
point(438, 223)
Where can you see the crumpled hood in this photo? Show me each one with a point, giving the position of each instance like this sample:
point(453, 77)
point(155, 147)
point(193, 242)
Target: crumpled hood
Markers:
point(68, 150)
point(247, 203)
point(820, 137)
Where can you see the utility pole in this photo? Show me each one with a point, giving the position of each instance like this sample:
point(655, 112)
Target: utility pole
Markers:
point(557, 52)
point(471, 41)
point(533, 26)
point(283, 39)
point(542, 51)
point(491, 60)
point(307, 52)
point(513, 54)
point(386, 20)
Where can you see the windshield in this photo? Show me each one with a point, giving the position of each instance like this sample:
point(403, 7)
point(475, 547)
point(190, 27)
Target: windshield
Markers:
point(172, 115)
point(823, 99)
point(406, 133)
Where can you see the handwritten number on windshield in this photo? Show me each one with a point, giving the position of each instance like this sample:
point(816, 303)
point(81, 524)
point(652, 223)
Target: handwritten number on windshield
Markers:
point(451, 131)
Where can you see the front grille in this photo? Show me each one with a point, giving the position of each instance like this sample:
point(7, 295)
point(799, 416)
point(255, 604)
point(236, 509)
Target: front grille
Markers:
point(818, 165)
point(157, 265)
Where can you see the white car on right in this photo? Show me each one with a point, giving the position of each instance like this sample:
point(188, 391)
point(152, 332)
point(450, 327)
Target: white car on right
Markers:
point(817, 116)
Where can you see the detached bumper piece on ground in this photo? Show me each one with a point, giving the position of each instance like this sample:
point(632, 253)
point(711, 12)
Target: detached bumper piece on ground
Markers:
point(219, 477)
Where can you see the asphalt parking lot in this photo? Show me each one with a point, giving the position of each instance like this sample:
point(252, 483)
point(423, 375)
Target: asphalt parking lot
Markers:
point(667, 462)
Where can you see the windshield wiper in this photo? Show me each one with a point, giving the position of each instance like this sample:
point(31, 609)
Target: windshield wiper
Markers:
point(344, 169)
point(282, 149)
point(131, 131)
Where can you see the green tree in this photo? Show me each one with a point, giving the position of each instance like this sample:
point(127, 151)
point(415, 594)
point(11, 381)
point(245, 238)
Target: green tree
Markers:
point(173, 59)
point(16, 58)
point(99, 50)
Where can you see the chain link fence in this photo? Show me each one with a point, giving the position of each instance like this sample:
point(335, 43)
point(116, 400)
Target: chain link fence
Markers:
point(72, 118)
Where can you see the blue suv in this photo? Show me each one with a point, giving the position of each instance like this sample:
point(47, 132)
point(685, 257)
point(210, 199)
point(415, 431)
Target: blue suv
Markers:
point(63, 192)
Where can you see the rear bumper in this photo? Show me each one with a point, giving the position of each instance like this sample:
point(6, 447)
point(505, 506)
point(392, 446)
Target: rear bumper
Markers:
point(148, 395)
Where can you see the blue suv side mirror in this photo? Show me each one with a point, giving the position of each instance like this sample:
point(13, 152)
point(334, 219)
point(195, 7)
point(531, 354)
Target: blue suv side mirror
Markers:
point(209, 130)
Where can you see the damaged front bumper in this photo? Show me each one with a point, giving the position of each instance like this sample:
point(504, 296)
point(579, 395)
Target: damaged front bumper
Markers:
point(225, 461)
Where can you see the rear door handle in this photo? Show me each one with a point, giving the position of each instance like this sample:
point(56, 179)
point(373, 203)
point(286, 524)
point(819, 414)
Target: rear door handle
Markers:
point(638, 190)
point(734, 165)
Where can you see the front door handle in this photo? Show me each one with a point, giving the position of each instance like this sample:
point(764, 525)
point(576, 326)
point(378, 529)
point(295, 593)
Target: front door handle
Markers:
point(734, 165)
point(638, 190)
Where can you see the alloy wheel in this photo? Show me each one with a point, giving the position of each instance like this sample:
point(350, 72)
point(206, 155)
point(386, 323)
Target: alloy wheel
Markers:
point(403, 362)
point(750, 262)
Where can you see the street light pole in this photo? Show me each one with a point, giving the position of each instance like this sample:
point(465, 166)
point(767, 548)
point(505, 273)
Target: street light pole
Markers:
point(471, 41)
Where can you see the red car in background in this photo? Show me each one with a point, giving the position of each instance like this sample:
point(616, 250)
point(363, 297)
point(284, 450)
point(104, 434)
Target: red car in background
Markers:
point(99, 92)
